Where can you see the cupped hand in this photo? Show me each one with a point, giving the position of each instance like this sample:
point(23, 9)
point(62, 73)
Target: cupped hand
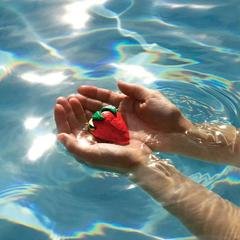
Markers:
point(71, 121)
point(150, 116)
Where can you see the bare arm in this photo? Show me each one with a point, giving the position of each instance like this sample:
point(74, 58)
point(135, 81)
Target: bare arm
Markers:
point(166, 129)
point(204, 213)
point(211, 142)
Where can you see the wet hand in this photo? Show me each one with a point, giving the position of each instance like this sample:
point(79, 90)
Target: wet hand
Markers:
point(150, 115)
point(154, 109)
point(71, 120)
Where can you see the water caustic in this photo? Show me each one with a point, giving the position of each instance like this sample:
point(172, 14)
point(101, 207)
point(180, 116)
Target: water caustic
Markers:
point(189, 51)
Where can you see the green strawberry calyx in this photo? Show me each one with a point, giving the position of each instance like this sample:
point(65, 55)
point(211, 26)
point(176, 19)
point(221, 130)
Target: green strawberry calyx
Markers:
point(109, 108)
point(97, 116)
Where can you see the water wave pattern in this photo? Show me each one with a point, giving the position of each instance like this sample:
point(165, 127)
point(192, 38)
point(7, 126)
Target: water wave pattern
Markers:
point(188, 50)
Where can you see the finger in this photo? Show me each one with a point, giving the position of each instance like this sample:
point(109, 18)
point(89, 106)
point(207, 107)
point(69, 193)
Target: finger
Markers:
point(81, 100)
point(101, 94)
point(94, 155)
point(133, 90)
point(100, 155)
point(88, 114)
point(61, 119)
point(90, 104)
point(71, 118)
point(81, 149)
point(78, 111)
point(128, 105)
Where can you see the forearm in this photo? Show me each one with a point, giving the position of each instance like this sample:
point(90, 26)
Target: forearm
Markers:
point(206, 214)
point(211, 142)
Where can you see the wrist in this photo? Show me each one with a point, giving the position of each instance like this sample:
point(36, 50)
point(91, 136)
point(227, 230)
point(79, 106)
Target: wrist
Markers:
point(183, 124)
point(161, 180)
point(167, 142)
point(153, 167)
point(177, 140)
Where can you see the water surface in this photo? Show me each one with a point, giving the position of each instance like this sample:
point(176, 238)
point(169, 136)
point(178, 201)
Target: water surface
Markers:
point(189, 50)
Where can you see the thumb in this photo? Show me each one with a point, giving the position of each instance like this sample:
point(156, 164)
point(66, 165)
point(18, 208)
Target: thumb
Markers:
point(68, 141)
point(133, 90)
point(82, 150)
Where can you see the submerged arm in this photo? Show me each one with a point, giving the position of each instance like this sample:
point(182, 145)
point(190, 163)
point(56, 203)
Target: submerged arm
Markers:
point(204, 213)
point(211, 142)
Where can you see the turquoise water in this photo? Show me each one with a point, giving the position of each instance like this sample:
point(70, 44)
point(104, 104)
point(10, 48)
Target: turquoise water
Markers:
point(189, 50)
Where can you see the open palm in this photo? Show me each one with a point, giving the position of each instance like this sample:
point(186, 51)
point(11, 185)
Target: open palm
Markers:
point(71, 118)
point(149, 120)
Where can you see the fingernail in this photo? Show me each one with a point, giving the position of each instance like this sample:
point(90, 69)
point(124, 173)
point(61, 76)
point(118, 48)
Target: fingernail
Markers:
point(61, 138)
point(59, 99)
point(71, 96)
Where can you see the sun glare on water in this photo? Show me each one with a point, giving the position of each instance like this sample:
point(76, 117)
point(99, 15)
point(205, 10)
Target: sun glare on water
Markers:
point(40, 146)
point(77, 14)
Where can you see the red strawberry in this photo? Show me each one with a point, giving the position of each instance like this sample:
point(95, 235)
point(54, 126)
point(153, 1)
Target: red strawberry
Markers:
point(108, 125)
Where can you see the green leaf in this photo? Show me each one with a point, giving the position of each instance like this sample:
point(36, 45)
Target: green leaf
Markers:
point(97, 116)
point(109, 108)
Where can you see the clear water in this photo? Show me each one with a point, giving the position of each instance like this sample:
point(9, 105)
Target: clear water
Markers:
point(187, 49)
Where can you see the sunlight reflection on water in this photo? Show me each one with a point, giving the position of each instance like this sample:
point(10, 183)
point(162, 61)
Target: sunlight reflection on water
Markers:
point(190, 52)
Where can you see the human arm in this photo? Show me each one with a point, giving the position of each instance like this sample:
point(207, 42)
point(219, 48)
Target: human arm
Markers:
point(206, 214)
point(165, 127)
point(210, 142)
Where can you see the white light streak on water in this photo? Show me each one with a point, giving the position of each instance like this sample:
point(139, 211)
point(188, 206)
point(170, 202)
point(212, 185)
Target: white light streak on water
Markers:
point(6, 63)
point(191, 6)
point(3, 68)
point(77, 13)
point(32, 122)
point(40, 146)
point(131, 72)
point(50, 79)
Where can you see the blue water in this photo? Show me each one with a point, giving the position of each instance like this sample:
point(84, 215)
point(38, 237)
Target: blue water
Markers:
point(190, 50)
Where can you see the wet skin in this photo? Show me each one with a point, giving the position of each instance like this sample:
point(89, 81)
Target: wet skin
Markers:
point(155, 124)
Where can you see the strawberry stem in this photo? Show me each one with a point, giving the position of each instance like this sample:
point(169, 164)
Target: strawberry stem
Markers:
point(109, 108)
point(98, 116)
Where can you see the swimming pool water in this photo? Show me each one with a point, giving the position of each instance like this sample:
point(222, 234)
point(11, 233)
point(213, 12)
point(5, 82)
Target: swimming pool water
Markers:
point(189, 50)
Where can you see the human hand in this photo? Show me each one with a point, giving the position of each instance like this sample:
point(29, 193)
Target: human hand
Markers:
point(150, 115)
point(71, 120)
point(154, 109)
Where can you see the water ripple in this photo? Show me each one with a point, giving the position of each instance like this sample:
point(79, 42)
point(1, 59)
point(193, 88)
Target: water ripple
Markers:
point(190, 52)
